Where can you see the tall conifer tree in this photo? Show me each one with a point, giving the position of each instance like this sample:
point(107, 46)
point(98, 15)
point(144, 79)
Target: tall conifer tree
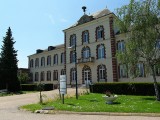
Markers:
point(9, 63)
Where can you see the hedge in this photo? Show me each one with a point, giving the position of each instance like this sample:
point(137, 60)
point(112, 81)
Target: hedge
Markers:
point(33, 87)
point(124, 88)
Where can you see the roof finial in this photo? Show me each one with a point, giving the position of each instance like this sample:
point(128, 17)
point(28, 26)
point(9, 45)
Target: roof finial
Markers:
point(84, 9)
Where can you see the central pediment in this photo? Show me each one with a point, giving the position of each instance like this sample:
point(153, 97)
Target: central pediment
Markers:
point(85, 18)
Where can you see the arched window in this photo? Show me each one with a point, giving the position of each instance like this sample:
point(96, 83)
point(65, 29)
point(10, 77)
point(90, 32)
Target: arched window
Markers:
point(99, 32)
point(31, 77)
point(72, 40)
point(42, 61)
point(55, 75)
point(73, 75)
point(86, 52)
point(101, 69)
point(72, 57)
point(31, 63)
point(48, 75)
point(42, 76)
point(85, 37)
point(49, 60)
point(100, 51)
point(62, 72)
point(37, 62)
point(62, 57)
point(55, 62)
point(36, 76)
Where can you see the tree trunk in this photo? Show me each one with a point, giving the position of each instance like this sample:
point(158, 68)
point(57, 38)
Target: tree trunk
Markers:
point(155, 84)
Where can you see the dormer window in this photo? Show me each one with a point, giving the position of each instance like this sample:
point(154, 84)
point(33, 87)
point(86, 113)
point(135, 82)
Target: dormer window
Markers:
point(85, 37)
point(99, 32)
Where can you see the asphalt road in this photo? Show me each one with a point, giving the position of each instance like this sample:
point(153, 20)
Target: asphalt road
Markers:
point(9, 110)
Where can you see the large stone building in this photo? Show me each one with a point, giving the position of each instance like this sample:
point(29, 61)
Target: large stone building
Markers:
point(93, 41)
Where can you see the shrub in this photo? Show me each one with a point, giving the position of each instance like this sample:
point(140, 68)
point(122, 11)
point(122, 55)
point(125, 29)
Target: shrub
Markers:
point(124, 88)
point(34, 87)
point(28, 87)
point(48, 87)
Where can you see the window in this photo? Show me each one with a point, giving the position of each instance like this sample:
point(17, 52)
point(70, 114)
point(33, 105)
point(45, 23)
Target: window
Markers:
point(72, 57)
point(36, 76)
point(86, 52)
point(101, 73)
point(122, 71)
point(31, 77)
point(121, 46)
point(42, 76)
point(99, 32)
point(48, 75)
point(49, 60)
point(31, 63)
point(158, 44)
point(62, 72)
point(73, 75)
point(140, 69)
point(73, 40)
point(157, 70)
point(37, 62)
point(100, 51)
point(62, 57)
point(55, 62)
point(55, 75)
point(85, 36)
point(43, 61)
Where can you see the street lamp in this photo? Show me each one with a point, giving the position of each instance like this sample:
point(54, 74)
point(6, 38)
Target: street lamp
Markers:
point(74, 47)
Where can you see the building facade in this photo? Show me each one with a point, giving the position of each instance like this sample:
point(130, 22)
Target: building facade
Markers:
point(47, 65)
point(89, 47)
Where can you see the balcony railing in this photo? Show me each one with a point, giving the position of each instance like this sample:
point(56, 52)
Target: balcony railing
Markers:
point(85, 60)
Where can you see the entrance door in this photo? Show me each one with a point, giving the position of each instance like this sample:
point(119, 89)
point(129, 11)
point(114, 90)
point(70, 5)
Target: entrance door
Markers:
point(86, 76)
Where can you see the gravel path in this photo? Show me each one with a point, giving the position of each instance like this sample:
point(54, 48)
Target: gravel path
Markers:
point(9, 110)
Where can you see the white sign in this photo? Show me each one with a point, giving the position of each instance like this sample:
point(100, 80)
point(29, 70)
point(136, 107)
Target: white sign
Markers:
point(63, 88)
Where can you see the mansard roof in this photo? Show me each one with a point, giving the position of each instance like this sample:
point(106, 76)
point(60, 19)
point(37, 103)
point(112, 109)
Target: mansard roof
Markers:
point(87, 18)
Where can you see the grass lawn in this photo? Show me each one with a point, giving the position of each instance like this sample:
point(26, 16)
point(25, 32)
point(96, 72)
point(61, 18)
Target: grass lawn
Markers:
point(95, 103)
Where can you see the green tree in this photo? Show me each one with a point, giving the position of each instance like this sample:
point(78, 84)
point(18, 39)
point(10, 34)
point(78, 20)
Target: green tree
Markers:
point(140, 22)
point(23, 78)
point(9, 63)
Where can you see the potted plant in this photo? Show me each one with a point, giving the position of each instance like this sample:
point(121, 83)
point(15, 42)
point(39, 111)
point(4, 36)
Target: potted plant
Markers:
point(109, 97)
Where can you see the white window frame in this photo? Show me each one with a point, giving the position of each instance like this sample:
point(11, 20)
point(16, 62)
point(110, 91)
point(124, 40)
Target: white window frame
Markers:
point(101, 52)
point(121, 46)
point(86, 53)
point(85, 37)
point(140, 69)
point(100, 33)
point(73, 40)
point(122, 71)
point(73, 73)
point(101, 73)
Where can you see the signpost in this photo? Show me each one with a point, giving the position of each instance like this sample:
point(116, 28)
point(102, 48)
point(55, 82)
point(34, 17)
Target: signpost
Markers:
point(63, 87)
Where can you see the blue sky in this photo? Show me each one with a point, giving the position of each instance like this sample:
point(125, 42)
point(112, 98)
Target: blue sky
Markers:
point(37, 24)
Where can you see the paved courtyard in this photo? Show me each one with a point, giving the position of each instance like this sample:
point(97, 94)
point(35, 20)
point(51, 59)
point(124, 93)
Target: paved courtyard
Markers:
point(9, 110)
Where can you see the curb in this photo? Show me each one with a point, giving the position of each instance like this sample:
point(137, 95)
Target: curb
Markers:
point(99, 113)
